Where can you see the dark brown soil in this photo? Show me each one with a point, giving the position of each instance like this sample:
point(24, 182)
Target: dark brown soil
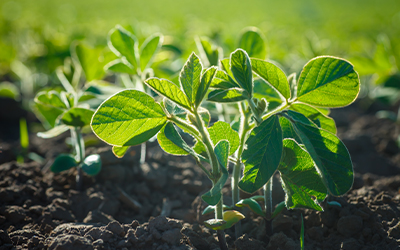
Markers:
point(158, 205)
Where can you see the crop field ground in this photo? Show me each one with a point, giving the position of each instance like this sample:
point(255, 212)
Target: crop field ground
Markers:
point(62, 186)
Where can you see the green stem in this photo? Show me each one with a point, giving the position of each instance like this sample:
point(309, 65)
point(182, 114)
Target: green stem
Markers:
point(243, 130)
point(215, 172)
point(268, 198)
point(79, 143)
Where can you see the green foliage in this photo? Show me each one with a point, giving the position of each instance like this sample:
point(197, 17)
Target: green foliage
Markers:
point(63, 162)
point(92, 165)
point(252, 41)
point(128, 118)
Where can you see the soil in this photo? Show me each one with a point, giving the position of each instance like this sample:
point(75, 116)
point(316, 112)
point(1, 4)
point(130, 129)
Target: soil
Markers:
point(157, 205)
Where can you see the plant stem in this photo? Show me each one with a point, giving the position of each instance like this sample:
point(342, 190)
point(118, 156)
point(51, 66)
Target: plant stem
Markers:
point(76, 135)
point(215, 173)
point(244, 124)
point(268, 198)
point(142, 153)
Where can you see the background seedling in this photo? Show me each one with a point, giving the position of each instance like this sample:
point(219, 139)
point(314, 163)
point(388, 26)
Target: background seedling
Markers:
point(134, 64)
point(70, 110)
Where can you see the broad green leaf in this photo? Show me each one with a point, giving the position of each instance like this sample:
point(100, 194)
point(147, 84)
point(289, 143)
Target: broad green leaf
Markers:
point(213, 196)
point(128, 118)
point(123, 43)
point(56, 131)
point(314, 115)
point(241, 69)
point(190, 77)
point(273, 75)
point(51, 98)
point(278, 209)
point(63, 162)
point(47, 114)
point(205, 82)
point(300, 180)
point(228, 95)
point(169, 90)
point(167, 145)
point(221, 131)
point(119, 66)
point(92, 164)
point(149, 49)
point(253, 205)
point(120, 151)
point(263, 154)
point(328, 82)
point(77, 117)
point(89, 59)
point(329, 154)
point(253, 43)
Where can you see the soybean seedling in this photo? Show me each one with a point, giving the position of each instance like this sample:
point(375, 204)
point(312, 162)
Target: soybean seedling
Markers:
point(134, 64)
point(296, 138)
point(131, 117)
point(69, 110)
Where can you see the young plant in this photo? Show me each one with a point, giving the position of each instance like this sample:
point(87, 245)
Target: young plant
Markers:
point(131, 117)
point(296, 138)
point(134, 64)
point(69, 110)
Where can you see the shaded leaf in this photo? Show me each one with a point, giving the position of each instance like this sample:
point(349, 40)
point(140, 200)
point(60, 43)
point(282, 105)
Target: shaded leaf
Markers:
point(168, 146)
point(263, 154)
point(149, 49)
point(92, 165)
point(77, 117)
point(63, 162)
point(120, 66)
point(190, 77)
point(205, 82)
point(316, 116)
point(228, 95)
point(253, 43)
point(252, 205)
point(300, 180)
point(123, 43)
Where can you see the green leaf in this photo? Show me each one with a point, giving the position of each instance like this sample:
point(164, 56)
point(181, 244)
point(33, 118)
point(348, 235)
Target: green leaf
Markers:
point(47, 114)
point(225, 63)
point(221, 131)
point(253, 43)
point(51, 98)
point(329, 154)
point(228, 95)
point(213, 196)
point(263, 154)
point(92, 164)
point(205, 83)
point(89, 59)
point(167, 145)
point(120, 66)
point(273, 75)
point(223, 81)
point(215, 224)
point(63, 162)
point(209, 52)
point(300, 180)
point(316, 116)
point(253, 205)
point(77, 117)
point(56, 131)
point(120, 151)
point(149, 49)
point(263, 90)
point(128, 118)
point(328, 82)
point(241, 69)
point(123, 43)
point(278, 209)
point(288, 131)
point(169, 90)
point(190, 77)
